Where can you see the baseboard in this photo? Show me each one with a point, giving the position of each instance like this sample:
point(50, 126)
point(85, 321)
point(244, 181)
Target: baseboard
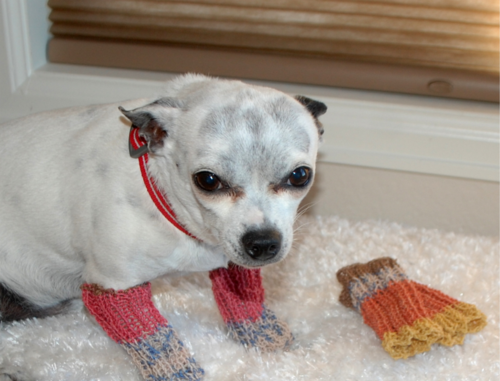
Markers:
point(421, 200)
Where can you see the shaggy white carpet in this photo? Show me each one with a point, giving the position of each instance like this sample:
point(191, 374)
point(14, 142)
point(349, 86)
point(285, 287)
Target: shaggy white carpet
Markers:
point(332, 343)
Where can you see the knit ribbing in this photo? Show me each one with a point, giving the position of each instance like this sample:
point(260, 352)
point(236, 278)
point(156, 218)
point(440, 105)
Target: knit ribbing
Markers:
point(240, 297)
point(130, 318)
point(407, 316)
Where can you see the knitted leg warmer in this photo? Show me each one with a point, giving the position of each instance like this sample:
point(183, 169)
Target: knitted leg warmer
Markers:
point(407, 316)
point(130, 318)
point(240, 297)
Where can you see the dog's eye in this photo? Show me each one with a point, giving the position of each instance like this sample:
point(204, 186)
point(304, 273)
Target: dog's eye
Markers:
point(207, 181)
point(299, 177)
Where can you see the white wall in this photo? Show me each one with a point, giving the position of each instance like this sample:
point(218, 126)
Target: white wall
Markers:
point(413, 134)
point(436, 202)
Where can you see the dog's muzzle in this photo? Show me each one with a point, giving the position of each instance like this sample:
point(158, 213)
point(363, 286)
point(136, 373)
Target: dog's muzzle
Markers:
point(262, 245)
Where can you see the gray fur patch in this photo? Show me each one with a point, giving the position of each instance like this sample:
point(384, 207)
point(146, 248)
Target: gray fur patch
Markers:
point(14, 307)
point(102, 169)
point(278, 114)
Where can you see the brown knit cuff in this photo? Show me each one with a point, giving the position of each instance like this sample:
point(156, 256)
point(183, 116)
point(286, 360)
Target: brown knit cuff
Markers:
point(98, 290)
point(355, 271)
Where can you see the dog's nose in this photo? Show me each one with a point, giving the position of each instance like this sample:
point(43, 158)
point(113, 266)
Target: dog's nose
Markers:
point(262, 244)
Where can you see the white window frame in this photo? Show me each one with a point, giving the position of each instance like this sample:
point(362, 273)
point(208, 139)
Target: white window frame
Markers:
point(373, 129)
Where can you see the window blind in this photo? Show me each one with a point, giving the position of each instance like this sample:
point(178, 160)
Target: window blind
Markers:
point(437, 47)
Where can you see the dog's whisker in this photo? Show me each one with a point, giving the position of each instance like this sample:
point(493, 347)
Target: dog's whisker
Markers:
point(299, 233)
point(303, 209)
point(307, 206)
point(299, 228)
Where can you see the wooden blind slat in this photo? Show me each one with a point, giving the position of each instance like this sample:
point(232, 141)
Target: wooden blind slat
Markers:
point(288, 17)
point(471, 5)
point(354, 7)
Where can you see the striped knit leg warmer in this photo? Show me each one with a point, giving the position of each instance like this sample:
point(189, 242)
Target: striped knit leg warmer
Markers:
point(407, 316)
point(240, 297)
point(130, 318)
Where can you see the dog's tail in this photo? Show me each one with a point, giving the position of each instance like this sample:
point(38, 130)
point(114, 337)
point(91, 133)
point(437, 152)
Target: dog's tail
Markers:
point(14, 307)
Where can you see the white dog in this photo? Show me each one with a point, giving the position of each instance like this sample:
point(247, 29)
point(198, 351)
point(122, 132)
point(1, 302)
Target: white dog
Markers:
point(228, 162)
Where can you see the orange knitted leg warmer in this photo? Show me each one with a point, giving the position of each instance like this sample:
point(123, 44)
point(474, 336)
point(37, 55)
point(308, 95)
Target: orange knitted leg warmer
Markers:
point(407, 316)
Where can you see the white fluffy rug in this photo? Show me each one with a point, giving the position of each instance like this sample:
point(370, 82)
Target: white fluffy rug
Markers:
point(332, 343)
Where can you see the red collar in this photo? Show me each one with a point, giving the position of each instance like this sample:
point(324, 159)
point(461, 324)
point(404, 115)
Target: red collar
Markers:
point(139, 150)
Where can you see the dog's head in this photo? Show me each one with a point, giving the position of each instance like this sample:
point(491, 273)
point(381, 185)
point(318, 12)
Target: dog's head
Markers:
point(235, 161)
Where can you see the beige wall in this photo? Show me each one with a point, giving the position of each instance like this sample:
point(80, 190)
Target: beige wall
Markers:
point(446, 203)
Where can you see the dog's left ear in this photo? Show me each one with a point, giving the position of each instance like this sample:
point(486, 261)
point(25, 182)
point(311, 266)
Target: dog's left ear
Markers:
point(153, 120)
point(316, 108)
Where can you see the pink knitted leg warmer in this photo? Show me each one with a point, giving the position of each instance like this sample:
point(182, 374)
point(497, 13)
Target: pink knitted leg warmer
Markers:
point(130, 318)
point(240, 297)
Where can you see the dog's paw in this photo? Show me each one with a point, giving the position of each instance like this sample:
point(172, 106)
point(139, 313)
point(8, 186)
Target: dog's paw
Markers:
point(267, 333)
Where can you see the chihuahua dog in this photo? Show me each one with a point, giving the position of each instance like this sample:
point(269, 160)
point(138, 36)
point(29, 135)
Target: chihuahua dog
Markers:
point(233, 160)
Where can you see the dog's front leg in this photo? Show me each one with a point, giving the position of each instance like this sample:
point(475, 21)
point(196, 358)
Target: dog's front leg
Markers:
point(240, 297)
point(130, 318)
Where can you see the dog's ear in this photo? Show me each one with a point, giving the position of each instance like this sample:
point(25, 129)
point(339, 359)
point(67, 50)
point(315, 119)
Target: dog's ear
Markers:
point(316, 108)
point(153, 120)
